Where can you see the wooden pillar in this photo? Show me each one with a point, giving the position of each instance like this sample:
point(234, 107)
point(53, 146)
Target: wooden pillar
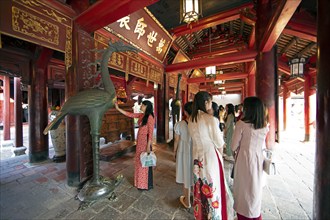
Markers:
point(162, 120)
point(266, 78)
point(321, 204)
point(18, 113)
point(307, 93)
point(38, 114)
point(286, 94)
point(155, 103)
point(251, 85)
point(6, 108)
point(166, 106)
point(79, 155)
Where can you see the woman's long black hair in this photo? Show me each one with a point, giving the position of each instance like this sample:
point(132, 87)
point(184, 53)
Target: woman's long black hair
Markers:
point(230, 110)
point(254, 112)
point(199, 103)
point(149, 111)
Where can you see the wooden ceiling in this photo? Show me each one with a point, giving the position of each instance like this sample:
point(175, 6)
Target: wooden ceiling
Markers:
point(227, 29)
point(224, 35)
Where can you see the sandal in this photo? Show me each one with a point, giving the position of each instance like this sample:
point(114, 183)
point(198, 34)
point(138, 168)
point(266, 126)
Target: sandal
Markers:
point(183, 203)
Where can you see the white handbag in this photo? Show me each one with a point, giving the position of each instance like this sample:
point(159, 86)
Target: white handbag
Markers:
point(148, 160)
point(269, 164)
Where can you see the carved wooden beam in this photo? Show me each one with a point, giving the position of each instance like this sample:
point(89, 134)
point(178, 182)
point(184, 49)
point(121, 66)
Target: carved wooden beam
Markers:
point(225, 85)
point(216, 91)
point(244, 56)
point(105, 12)
point(204, 23)
point(301, 30)
point(280, 19)
point(228, 76)
point(284, 67)
point(222, 51)
point(252, 39)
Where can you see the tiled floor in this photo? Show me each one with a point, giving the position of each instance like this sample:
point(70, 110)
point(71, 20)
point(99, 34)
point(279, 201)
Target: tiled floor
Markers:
point(39, 191)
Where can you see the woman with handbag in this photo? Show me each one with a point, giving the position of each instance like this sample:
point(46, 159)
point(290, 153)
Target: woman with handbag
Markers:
point(210, 200)
point(249, 139)
point(143, 179)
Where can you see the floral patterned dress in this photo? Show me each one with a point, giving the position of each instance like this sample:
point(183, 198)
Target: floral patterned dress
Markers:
point(210, 196)
point(142, 175)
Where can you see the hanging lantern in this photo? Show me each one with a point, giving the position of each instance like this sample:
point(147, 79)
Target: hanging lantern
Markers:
point(210, 72)
point(297, 67)
point(190, 10)
point(219, 82)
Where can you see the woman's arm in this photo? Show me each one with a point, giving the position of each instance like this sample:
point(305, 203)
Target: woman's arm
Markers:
point(150, 124)
point(128, 114)
point(216, 135)
point(237, 137)
point(119, 109)
point(176, 143)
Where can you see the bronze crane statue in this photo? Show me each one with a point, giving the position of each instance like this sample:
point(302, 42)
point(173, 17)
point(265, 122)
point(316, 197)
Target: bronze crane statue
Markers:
point(94, 103)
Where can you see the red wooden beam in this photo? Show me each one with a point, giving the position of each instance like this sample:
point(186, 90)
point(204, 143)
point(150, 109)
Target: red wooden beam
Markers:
point(284, 67)
point(252, 39)
point(222, 51)
point(279, 20)
point(226, 85)
point(301, 30)
point(105, 12)
point(216, 91)
point(240, 57)
point(227, 76)
point(211, 21)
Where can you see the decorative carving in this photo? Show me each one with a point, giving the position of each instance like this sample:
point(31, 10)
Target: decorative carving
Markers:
point(68, 47)
point(31, 3)
point(54, 15)
point(34, 26)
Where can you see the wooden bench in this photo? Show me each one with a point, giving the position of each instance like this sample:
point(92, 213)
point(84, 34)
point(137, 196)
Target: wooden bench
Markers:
point(115, 150)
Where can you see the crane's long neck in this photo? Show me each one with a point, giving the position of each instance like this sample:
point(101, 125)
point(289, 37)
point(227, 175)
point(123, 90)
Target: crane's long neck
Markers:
point(107, 82)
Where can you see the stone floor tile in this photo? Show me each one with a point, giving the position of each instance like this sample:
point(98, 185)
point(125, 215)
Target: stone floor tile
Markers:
point(132, 214)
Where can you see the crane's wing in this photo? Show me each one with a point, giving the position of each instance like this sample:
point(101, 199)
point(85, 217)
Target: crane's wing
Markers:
point(87, 100)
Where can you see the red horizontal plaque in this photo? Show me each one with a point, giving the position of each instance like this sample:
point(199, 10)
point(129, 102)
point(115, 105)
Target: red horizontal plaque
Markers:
point(142, 30)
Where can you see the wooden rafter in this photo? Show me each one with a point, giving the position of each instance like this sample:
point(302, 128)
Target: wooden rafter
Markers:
point(284, 11)
point(289, 45)
point(228, 76)
point(301, 30)
point(225, 85)
point(243, 56)
point(222, 51)
point(204, 23)
point(306, 49)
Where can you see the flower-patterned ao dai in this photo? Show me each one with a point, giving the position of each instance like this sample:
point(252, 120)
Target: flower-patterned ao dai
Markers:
point(210, 196)
point(142, 175)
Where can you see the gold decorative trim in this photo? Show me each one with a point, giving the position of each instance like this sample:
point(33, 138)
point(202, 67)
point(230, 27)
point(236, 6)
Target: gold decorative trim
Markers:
point(157, 22)
point(68, 47)
point(34, 26)
point(123, 38)
point(54, 15)
point(43, 9)
point(31, 3)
